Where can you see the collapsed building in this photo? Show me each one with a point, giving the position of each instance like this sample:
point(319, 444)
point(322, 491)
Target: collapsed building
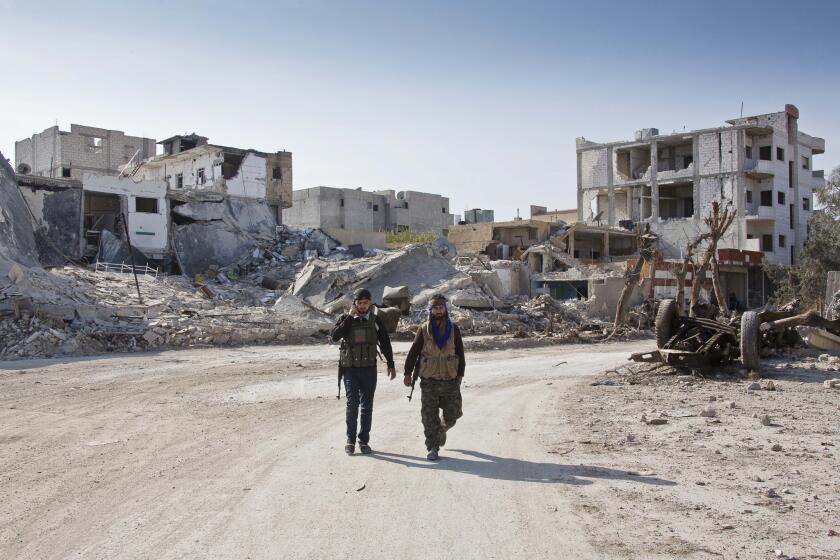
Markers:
point(761, 165)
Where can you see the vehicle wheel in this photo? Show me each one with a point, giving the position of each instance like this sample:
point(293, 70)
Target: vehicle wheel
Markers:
point(665, 321)
point(749, 339)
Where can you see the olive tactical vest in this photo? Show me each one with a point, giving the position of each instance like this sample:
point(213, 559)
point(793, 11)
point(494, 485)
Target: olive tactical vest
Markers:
point(358, 348)
point(438, 363)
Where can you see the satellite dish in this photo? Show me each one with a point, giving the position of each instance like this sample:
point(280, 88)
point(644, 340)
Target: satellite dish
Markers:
point(597, 217)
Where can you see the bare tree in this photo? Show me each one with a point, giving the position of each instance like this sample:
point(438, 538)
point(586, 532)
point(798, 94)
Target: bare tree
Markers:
point(632, 275)
point(717, 222)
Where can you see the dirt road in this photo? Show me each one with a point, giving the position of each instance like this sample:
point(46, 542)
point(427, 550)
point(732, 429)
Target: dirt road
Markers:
point(237, 453)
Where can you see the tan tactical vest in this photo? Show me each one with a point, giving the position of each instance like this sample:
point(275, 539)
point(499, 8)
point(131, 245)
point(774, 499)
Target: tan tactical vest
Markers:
point(438, 363)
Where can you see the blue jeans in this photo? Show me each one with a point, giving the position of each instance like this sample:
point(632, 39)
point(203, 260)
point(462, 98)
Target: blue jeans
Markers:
point(359, 386)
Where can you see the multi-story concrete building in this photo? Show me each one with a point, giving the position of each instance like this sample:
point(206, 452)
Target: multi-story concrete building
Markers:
point(761, 165)
point(84, 150)
point(190, 165)
point(377, 211)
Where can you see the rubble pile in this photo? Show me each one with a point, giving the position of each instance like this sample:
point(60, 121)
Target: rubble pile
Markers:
point(73, 311)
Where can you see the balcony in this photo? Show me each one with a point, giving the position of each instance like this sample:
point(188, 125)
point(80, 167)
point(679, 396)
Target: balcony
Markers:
point(761, 214)
point(759, 169)
point(817, 145)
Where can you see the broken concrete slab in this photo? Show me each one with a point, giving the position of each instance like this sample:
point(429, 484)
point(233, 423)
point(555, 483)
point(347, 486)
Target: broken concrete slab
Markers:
point(390, 317)
point(202, 244)
point(17, 237)
point(419, 268)
point(114, 250)
point(398, 297)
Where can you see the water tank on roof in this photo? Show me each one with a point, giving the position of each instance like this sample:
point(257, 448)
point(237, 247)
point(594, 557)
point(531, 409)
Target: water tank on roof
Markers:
point(645, 133)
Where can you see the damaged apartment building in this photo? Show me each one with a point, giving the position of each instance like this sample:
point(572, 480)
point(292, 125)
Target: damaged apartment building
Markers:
point(357, 216)
point(74, 190)
point(760, 165)
point(195, 205)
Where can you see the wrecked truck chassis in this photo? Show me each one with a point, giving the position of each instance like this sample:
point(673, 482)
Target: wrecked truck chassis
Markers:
point(692, 342)
point(696, 342)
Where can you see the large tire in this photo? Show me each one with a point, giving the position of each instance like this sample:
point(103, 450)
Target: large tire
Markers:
point(749, 339)
point(666, 318)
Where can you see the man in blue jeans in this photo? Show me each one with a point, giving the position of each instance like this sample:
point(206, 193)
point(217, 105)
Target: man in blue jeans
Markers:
point(360, 331)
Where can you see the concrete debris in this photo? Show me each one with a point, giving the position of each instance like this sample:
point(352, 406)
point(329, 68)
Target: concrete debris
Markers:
point(247, 280)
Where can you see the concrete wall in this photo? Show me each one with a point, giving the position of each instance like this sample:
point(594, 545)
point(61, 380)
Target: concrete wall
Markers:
point(85, 149)
point(149, 232)
point(367, 239)
point(471, 238)
point(57, 214)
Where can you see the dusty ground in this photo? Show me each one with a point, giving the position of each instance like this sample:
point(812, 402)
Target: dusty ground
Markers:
point(237, 453)
point(743, 488)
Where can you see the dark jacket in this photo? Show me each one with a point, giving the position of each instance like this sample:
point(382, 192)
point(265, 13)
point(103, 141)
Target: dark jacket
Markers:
point(342, 329)
point(417, 348)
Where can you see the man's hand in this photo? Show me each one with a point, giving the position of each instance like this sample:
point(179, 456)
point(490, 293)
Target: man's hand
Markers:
point(407, 380)
point(392, 373)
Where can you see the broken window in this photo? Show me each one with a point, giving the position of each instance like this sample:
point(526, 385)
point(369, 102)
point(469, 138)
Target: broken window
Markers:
point(199, 176)
point(443, 210)
point(632, 163)
point(765, 153)
point(780, 154)
point(676, 200)
point(676, 156)
point(95, 144)
point(749, 197)
point(806, 204)
point(767, 198)
point(780, 196)
point(376, 208)
point(782, 241)
point(146, 205)
point(369, 205)
point(790, 174)
point(231, 164)
point(65, 172)
point(748, 149)
point(342, 203)
point(179, 180)
point(806, 163)
point(791, 216)
point(767, 242)
point(277, 173)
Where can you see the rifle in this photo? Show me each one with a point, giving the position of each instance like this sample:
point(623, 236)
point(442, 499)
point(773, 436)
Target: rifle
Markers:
point(340, 375)
point(413, 382)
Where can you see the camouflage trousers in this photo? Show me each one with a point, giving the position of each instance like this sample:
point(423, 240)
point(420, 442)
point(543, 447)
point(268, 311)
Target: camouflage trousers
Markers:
point(438, 396)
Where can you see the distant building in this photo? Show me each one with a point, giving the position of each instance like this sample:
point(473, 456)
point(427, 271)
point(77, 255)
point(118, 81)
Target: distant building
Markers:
point(478, 216)
point(371, 211)
point(57, 153)
point(191, 165)
point(542, 214)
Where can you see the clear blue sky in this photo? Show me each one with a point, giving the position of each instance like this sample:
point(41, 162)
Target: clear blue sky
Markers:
point(479, 101)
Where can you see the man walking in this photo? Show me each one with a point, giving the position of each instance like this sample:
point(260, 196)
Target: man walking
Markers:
point(437, 357)
point(360, 331)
